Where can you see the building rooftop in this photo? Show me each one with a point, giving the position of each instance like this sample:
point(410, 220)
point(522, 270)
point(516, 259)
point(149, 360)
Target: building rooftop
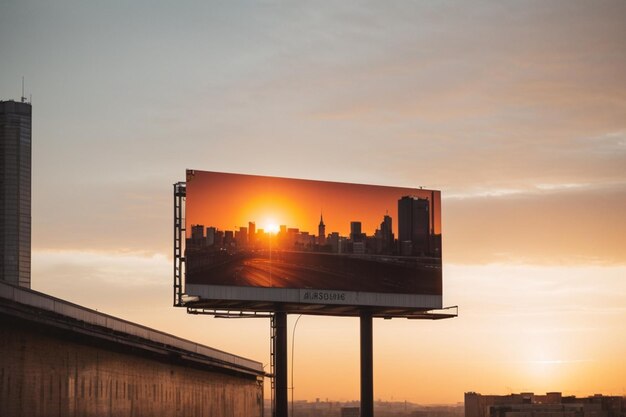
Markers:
point(38, 308)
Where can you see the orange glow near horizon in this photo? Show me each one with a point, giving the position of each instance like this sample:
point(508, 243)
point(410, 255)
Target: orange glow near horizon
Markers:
point(231, 201)
point(271, 228)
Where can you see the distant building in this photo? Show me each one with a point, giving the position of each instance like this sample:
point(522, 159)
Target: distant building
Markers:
point(321, 232)
point(219, 238)
point(439, 411)
point(343, 245)
point(15, 192)
point(197, 241)
point(553, 404)
point(406, 247)
point(251, 232)
point(350, 412)
point(305, 240)
point(355, 231)
point(242, 240)
point(414, 225)
point(197, 232)
point(229, 237)
point(239, 241)
point(292, 234)
point(386, 234)
point(358, 248)
point(210, 236)
point(377, 240)
point(333, 241)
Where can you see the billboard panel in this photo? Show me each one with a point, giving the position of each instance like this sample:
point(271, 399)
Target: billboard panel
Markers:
point(264, 243)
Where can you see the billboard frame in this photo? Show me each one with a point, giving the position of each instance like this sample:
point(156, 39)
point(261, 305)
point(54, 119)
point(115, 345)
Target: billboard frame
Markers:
point(232, 308)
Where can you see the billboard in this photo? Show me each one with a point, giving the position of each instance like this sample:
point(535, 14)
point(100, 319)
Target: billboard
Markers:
point(266, 244)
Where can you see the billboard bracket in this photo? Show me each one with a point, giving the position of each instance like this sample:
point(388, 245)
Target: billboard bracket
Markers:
point(436, 314)
point(229, 314)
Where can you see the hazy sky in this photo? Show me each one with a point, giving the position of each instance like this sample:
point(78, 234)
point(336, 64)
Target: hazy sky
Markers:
point(515, 110)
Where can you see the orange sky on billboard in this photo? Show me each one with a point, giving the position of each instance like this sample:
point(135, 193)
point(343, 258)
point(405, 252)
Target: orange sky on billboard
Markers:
point(268, 208)
point(230, 201)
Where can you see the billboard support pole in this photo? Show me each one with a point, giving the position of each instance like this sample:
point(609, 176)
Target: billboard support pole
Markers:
point(367, 365)
point(280, 356)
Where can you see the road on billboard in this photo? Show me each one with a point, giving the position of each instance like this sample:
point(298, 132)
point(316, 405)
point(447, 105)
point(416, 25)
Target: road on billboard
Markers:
point(288, 269)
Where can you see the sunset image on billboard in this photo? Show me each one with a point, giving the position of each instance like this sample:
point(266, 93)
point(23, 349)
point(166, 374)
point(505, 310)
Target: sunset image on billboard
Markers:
point(257, 231)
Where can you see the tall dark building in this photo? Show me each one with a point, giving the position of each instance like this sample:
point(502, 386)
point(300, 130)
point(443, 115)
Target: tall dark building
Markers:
point(197, 240)
point(321, 232)
point(243, 237)
point(15, 192)
point(413, 225)
point(355, 231)
point(197, 232)
point(210, 236)
point(386, 233)
point(229, 237)
point(251, 232)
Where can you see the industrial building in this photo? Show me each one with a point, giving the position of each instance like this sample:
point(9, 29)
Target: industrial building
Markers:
point(61, 359)
point(552, 404)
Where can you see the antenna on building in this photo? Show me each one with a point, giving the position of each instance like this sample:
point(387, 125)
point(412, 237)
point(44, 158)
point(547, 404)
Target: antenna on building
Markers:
point(23, 98)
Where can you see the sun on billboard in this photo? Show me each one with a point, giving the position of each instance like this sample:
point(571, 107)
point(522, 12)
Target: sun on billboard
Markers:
point(264, 242)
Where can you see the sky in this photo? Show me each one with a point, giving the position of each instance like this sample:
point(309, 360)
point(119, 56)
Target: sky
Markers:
point(516, 111)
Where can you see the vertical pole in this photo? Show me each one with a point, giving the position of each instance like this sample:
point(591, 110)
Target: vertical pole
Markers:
point(367, 368)
point(282, 403)
point(179, 230)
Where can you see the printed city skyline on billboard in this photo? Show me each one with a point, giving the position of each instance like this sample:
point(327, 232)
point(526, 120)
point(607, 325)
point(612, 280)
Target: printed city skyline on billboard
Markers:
point(268, 232)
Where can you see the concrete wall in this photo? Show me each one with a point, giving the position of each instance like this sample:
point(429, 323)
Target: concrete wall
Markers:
point(49, 372)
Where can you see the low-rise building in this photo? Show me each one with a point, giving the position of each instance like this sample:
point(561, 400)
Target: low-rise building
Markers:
point(61, 359)
point(552, 404)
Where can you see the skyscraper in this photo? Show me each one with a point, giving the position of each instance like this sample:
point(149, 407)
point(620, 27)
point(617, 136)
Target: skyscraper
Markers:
point(197, 240)
point(210, 236)
point(243, 237)
point(252, 233)
point(355, 231)
point(321, 232)
point(197, 232)
point(414, 225)
point(386, 234)
point(15, 192)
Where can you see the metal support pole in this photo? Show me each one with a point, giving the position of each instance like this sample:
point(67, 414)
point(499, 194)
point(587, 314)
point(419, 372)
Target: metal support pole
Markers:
point(180, 192)
point(282, 402)
point(367, 367)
